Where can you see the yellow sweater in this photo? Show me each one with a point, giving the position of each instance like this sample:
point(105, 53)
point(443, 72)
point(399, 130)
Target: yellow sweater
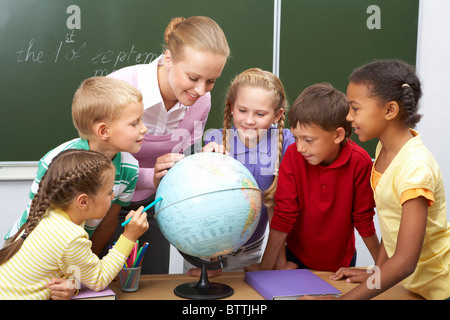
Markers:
point(413, 169)
point(57, 248)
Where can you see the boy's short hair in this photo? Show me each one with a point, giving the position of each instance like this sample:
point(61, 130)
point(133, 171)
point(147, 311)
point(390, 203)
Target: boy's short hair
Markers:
point(101, 99)
point(322, 105)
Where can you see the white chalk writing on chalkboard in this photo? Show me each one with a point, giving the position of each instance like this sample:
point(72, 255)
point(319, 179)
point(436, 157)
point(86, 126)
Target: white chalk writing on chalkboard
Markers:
point(105, 56)
point(29, 54)
point(69, 50)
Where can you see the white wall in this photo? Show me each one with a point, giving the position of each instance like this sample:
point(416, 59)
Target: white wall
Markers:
point(433, 65)
point(433, 68)
point(14, 198)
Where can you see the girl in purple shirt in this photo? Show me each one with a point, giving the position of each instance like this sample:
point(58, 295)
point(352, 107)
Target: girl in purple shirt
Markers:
point(256, 104)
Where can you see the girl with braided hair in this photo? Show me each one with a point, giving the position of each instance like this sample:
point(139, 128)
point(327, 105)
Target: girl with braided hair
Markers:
point(407, 182)
point(53, 245)
point(256, 104)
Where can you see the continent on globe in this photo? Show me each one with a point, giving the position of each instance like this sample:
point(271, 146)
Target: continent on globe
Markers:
point(255, 210)
point(211, 205)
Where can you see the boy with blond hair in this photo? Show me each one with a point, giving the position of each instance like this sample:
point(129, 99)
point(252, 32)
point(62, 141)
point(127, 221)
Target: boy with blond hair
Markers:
point(323, 191)
point(107, 114)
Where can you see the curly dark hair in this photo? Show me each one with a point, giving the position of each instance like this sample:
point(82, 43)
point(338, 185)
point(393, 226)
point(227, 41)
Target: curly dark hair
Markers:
point(392, 80)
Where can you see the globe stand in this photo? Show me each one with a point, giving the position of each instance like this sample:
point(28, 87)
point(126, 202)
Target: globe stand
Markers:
point(203, 289)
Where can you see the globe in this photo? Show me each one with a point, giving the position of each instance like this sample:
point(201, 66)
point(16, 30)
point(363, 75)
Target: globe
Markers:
point(210, 205)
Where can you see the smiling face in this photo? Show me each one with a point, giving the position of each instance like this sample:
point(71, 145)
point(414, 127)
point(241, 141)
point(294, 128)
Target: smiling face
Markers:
point(190, 78)
point(127, 132)
point(253, 113)
point(366, 115)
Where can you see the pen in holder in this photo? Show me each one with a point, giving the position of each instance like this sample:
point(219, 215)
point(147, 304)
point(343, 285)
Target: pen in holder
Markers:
point(129, 279)
point(131, 272)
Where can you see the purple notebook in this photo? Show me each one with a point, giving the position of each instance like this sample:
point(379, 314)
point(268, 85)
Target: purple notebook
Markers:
point(288, 284)
point(88, 294)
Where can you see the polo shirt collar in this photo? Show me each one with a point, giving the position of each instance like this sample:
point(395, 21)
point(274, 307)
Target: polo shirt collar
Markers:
point(416, 140)
point(344, 155)
point(117, 160)
point(62, 213)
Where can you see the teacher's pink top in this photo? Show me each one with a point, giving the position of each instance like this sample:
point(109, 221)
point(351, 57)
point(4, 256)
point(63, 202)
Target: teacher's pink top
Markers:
point(188, 131)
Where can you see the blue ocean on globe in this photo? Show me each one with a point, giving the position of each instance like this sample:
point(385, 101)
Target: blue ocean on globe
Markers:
point(210, 205)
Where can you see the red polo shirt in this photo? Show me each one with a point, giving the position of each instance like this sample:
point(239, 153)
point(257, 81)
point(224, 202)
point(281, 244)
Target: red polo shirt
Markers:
point(319, 207)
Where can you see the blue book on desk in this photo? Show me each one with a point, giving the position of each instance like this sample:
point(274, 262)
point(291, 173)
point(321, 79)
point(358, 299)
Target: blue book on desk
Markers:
point(288, 284)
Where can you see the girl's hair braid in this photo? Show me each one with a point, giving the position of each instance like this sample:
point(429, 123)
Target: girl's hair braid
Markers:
point(71, 173)
point(410, 105)
point(258, 78)
point(269, 194)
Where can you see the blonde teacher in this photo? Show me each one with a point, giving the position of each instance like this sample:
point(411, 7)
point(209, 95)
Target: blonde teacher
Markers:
point(175, 89)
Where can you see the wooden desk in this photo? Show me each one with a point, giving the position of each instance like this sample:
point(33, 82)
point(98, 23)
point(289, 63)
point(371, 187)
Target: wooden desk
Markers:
point(161, 286)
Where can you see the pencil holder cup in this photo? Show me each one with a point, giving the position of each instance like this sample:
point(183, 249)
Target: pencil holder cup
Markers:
point(129, 279)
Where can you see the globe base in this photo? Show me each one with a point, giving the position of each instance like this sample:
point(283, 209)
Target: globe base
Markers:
point(213, 291)
point(203, 289)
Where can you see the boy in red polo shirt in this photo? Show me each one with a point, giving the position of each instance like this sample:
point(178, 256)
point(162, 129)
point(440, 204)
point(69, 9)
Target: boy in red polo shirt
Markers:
point(323, 189)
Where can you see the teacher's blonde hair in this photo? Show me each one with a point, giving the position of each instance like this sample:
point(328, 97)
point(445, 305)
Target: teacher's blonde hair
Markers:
point(198, 32)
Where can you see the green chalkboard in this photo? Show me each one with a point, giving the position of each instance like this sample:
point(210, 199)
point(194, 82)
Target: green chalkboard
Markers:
point(325, 40)
point(44, 58)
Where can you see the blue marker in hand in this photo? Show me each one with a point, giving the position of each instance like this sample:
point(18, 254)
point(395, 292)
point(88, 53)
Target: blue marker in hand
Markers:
point(145, 209)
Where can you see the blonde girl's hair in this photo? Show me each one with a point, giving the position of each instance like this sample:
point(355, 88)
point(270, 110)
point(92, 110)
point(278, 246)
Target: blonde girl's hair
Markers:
point(71, 173)
point(198, 32)
point(101, 99)
point(266, 80)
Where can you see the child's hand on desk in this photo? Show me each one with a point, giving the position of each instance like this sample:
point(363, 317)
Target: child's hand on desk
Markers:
point(255, 267)
point(61, 289)
point(286, 265)
point(196, 272)
point(351, 275)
